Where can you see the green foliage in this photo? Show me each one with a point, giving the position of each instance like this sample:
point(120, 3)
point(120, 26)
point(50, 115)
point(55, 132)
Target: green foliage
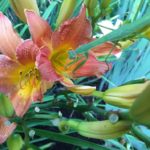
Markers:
point(39, 125)
point(4, 5)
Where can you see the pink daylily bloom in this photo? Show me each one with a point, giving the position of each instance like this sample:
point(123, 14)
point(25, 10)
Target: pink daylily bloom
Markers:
point(53, 61)
point(19, 78)
point(26, 66)
point(5, 130)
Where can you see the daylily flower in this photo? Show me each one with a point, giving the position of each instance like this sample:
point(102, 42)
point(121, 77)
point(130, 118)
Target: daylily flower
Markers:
point(53, 60)
point(19, 78)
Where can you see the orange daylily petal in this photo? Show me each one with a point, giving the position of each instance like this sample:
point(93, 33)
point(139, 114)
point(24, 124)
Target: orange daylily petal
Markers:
point(105, 49)
point(5, 130)
point(22, 100)
point(37, 93)
point(92, 67)
point(45, 67)
point(72, 33)
point(39, 28)
point(45, 86)
point(32, 91)
point(40, 89)
point(8, 77)
point(26, 52)
point(8, 37)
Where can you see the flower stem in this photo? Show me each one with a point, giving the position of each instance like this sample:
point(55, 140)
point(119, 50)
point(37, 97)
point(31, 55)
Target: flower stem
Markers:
point(138, 133)
point(97, 94)
point(26, 139)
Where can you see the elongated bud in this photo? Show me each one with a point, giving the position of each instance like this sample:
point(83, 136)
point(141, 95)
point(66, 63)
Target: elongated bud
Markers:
point(105, 4)
point(122, 96)
point(125, 44)
point(83, 90)
point(15, 142)
point(20, 5)
point(91, 5)
point(86, 2)
point(146, 33)
point(6, 107)
point(97, 129)
point(66, 11)
point(140, 110)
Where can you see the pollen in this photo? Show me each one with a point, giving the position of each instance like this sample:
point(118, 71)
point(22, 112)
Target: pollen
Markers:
point(31, 76)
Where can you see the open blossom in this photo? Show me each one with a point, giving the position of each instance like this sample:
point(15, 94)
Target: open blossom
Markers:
point(53, 61)
point(19, 78)
point(28, 68)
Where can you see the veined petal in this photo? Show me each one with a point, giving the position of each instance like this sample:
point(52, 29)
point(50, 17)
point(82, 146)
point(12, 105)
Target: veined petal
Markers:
point(30, 91)
point(105, 49)
point(39, 28)
point(5, 130)
point(92, 67)
point(8, 37)
point(8, 74)
point(37, 94)
point(45, 67)
point(72, 33)
point(45, 86)
point(26, 52)
point(22, 99)
point(40, 89)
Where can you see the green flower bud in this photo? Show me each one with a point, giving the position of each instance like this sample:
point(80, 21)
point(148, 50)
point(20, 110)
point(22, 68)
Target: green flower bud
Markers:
point(122, 96)
point(140, 110)
point(15, 142)
point(91, 5)
point(145, 33)
point(83, 90)
point(125, 44)
point(66, 11)
point(20, 5)
point(97, 129)
point(105, 4)
point(6, 108)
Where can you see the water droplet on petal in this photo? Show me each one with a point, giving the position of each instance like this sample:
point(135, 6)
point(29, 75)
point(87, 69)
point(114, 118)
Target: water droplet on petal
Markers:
point(7, 123)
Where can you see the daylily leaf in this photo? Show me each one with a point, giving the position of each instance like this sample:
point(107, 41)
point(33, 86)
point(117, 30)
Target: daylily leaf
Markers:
point(68, 139)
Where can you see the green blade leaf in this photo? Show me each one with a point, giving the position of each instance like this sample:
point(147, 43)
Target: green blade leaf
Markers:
point(68, 139)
